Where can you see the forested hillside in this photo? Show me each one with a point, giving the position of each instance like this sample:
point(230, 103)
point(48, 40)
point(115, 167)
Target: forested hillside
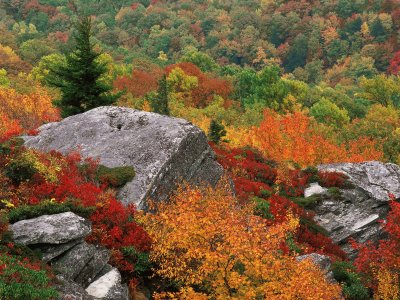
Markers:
point(278, 86)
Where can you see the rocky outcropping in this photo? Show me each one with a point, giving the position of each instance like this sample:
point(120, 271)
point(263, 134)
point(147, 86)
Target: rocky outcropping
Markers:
point(355, 211)
point(161, 149)
point(83, 269)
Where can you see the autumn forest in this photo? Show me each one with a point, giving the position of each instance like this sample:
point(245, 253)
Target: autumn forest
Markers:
point(278, 86)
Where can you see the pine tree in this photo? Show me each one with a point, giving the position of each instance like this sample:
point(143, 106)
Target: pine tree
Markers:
point(216, 132)
point(159, 103)
point(78, 79)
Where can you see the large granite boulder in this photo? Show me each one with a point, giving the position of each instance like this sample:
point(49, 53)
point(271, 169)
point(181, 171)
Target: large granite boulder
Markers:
point(355, 210)
point(161, 149)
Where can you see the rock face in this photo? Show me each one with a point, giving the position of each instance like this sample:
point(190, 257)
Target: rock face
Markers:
point(354, 212)
point(376, 178)
point(50, 229)
point(79, 265)
point(161, 149)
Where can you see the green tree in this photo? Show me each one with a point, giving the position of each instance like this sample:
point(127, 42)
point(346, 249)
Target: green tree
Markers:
point(4, 81)
point(159, 104)
point(381, 89)
point(324, 111)
point(78, 79)
point(216, 132)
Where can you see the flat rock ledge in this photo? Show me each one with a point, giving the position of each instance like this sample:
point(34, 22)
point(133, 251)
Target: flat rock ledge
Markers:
point(50, 229)
point(162, 150)
point(355, 211)
point(82, 268)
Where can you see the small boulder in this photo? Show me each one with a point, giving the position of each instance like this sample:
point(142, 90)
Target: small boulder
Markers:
point(314, 189)
point(109, 287)
point(50, 229)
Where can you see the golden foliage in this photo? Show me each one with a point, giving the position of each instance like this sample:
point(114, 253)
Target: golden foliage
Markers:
point(30, 110)
point(205, 237)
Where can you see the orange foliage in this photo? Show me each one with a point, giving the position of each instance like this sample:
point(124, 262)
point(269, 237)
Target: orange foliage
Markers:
point(204, 237)
point(139, 83)
point(294, 137)
point(8, 128)
point(30, 110)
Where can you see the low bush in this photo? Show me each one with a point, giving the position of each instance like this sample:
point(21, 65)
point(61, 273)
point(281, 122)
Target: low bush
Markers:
point(308, 202)
point(262, 208)
point(353, 289)
point(22, 279)
point(115, 177)
point(48, 207)
point(19, 171)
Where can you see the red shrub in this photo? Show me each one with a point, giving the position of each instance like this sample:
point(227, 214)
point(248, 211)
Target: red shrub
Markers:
point(332, 179)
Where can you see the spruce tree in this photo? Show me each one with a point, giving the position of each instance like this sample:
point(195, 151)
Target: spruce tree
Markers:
point(78, 79)
point(216, 132)
point(159, 103)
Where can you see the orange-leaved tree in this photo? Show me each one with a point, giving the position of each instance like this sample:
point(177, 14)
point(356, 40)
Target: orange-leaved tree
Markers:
point(296, 137)
point(31, 110)
point(204, 238)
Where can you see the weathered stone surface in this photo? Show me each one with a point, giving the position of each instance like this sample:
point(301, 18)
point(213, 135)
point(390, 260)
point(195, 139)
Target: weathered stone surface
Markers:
point(50, 252)
point(161, 149)
point(322, 261)
point(93, 267)
point(375, 178)
point(109, 287)
point(70, 290)
point(71, 263)
point(314, 189)
point(50, 229)
point(356, 213)
point(107, 268)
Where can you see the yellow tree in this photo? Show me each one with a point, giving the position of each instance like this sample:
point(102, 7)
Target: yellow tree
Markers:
point(204, 237)
point(31, 110)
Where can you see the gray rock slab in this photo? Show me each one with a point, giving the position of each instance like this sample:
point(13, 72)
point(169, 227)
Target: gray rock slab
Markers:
point(70, 290)
point(71, 263)
point(357, 212)
point(93, 267)
point(50, 252)
point(376, 178)
point(162, 150)
point(50, 229)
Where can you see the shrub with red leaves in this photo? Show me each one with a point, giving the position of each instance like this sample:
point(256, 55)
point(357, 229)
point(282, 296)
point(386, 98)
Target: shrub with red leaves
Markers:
point(253, 175)
point(332, 179)
point(113, 224)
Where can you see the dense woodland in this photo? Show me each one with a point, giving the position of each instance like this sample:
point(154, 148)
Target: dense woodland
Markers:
point(279, 87)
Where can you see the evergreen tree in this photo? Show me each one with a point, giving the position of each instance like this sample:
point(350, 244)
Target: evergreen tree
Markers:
point(159, 104)
point(217, 132)
point(378, 31)
point(78, 78)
